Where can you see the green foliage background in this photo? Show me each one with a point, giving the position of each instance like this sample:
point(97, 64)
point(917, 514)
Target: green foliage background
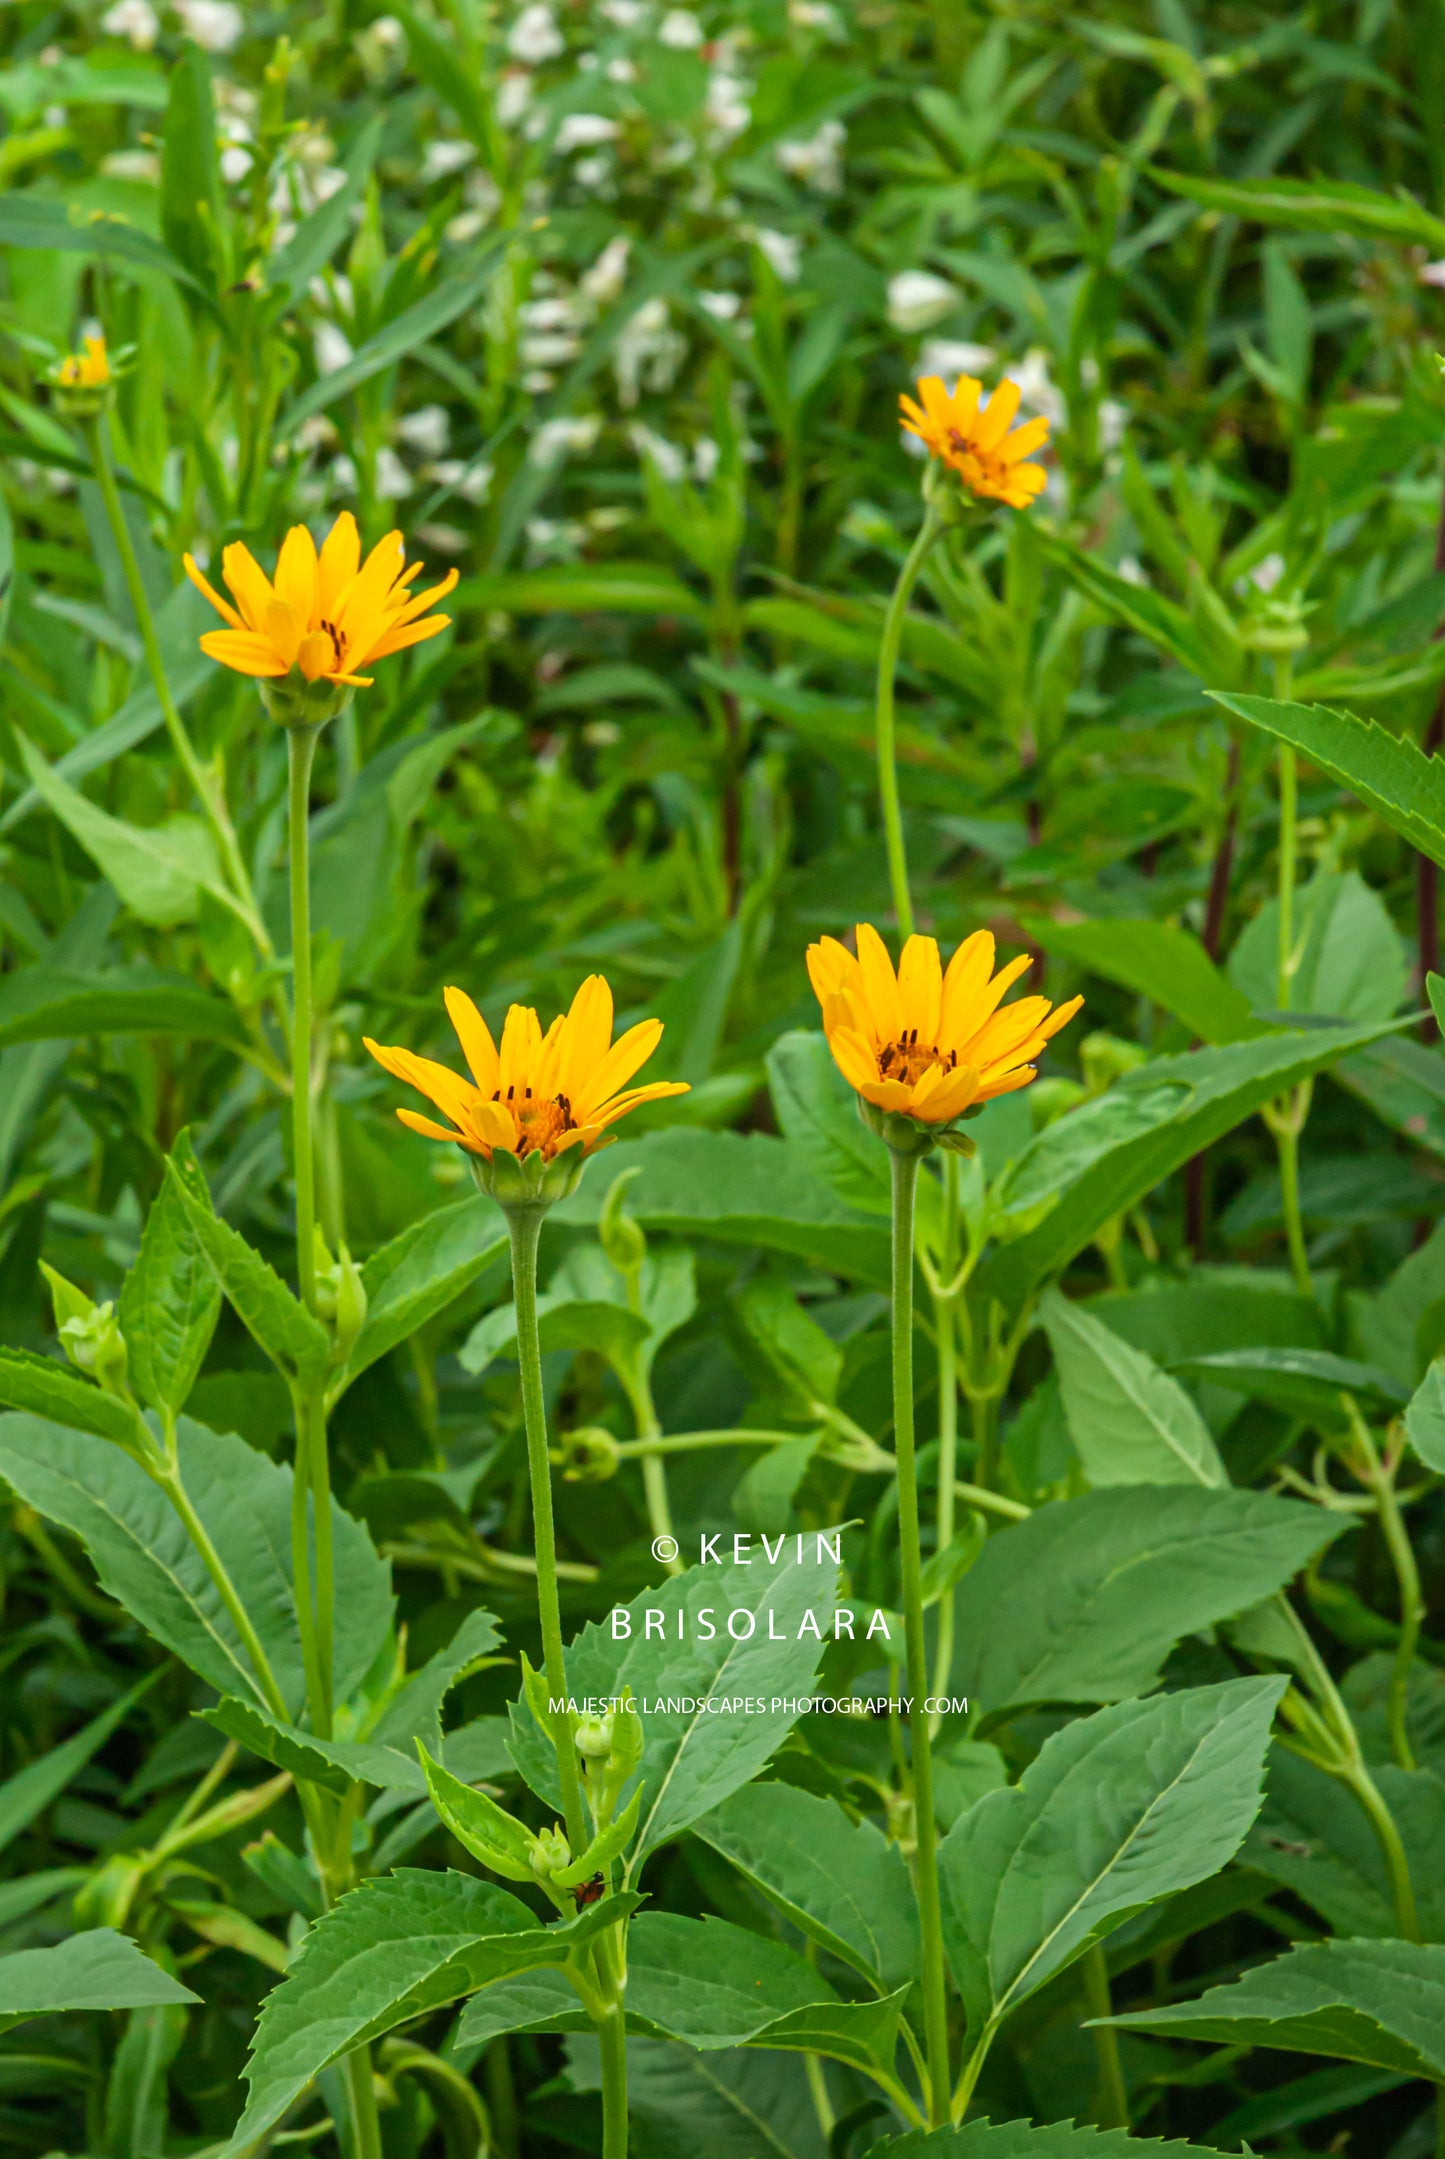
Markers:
point(609, 306)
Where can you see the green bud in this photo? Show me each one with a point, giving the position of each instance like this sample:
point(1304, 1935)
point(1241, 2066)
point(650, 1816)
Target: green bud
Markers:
point(96, 1346)
point(1050, 1099)
point(620, 1237)
point(1107, 1057)
point(528, 1181)
point(340, 1296)
point(628, 1740)
point(292, 701)
point(589, 1455)
point(67, 1302)
point(550, 1853)
point(594, 1737)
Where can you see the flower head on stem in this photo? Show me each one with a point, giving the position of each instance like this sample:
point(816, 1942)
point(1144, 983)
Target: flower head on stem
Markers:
point(306, 634)
point(973, 438)
point(927, 1046)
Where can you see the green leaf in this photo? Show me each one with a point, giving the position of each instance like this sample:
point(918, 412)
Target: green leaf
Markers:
point(48, 1004)
point(414, 1711)
point(838, 1880)
point(1184, 637)
point(32, 1788)
point(479, 1825)
point(781, 1612)
point(1315, 1838)
point(1331, 206)
point(145, 1560)
point(442, 305)
point(1117, 1810)
point(1301, 1382)
point(1403, 787)
point(334, 1763)
point(1131, 1423)
point(1167, 965)
point(804, 1358)
point(53, 1390)
point(96, 1970)
point(170, 1301)
point(739, 1189)
point(1351, 962)
point(737, 2104)
point(421, 1272)
point(1104, 1156)
point(1084, 1600)
point(296, 1343)
point(818, 1113)
point(159, 872)
point(1425, 1419)
point(39, 221)
point(193, 210)
point(317, 237)
point(616, 588)
point(1026, 2140)
point(390, 1951)
point(563, 1323)
point(1360, 2001)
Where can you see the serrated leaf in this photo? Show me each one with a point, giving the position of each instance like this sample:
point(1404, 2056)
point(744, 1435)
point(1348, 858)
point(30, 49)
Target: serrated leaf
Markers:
point(421, 1272)
point(296, 1343)
point(694, 1758)
point(50, 1389)
point(99, 1969)
point(1117, 1810)
point(1388, 773)
point(1027, 2140)
point(1302, 1382)
point(388, 1952)
point(1084, 1600)
point(1131, 1423)
point(839, 1880)
point(170, 1301)
point(1360, 2001)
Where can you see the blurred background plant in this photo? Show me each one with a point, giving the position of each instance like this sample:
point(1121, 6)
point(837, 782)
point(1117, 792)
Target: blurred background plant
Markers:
point(609, 306)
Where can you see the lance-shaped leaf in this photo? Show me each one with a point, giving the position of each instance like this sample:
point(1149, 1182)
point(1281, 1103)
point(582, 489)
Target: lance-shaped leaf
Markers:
point(49, 1004)
point(1117, 1810)
point(1425, 1419)
point(443, 302)
point(748, 1632)
point(1332, 206)
point(479, 1825)
point(1026, 2140)
point(99, 1969)
point(1131, 1423)
point(52, 1390)
point(296, 1343)
point(1104, 1156)
point(1360, 2001)
point(838, 1880)
point(171, 1299)
point(420, 1273)
point(1403, 787)
point(390, 1951)
point(1159, 961)
point(1084, 1600)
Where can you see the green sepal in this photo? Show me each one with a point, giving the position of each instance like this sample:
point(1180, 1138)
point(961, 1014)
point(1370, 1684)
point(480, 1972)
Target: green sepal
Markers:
point(486, 1830)
point(608, 1845)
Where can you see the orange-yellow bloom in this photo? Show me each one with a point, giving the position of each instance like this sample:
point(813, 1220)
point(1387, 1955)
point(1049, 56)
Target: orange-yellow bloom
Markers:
point(925, 1042)
point(975, 440)
point(327, 614)
point(539, 1094)
point(88, 370)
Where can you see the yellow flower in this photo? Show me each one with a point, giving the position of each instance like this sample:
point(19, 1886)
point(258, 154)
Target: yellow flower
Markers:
point(975, 440)
point(88, 370)
point(327, 615)
point(926, 1043)
point(539, 1094)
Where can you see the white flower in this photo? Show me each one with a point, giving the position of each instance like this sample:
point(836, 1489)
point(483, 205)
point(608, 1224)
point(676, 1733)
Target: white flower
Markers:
point(706, 456)
point(1038, 392)
point(1267, 574)
point(683, 32)
point(549, 348)
point(388, 33)
point(465, 226)
point(667, 457)
point(917, 299)
point(1431, 273)
point(331, 346)
point(553, 311)
point(818, 162)
point(441, 158)
point(607, 276)
point(214, 25)
point(1113, 419)
point(570, 435)
point(722, 306)
point(427, 430)
point(583, 131)
point(625, 13)
point(814, 15)
point(783, 252)
point(950, 357)
point(727, 102)
point(317, 432)
point(621, 70)
point(648, 350)
point(392, 478)
point(514, 95)
point(481, 191)
point(142, 165)
point(534, 36)
point(133, 19)
point(1131, 569)
point(342, 474)
point(235, 164)
point(595, 174)
point(470, 481)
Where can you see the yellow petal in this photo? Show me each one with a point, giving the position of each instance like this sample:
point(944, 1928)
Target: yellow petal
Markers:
point(517, 1058)
point(475, 1037)
point(920, 988)
point(222, 607)
point(880, 985)
point(495, 1125)
point(249, 582)
point(338, 564)
point(854, 1059)
point(283, 631)
point(316, 655)
point(296, 575)
point(242, 650)
point(413, 633)
point(586, 1035)
point(361, 607)
point(626, 1056)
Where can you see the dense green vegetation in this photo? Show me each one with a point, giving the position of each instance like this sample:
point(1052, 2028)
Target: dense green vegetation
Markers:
point(608, 306)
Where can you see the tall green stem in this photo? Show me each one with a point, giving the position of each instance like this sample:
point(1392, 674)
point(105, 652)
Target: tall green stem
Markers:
point(612, 2049)
point(301, 749)
point(363, 2104)
point(203, 783)
point(525, 1224)
point(1288, 1117)
point(1113, 2092)
point(1288, 848)
point(935, 2005)
point(886, 729)
point(944, 1328)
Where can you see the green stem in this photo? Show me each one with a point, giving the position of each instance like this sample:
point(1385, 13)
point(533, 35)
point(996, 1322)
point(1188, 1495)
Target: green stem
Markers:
point(1382, 1821)
point(1288, 809)
point(1113, 2094)
point(301, 748)
point(175, 1491)
point(203, 783)
point(887, 746)
point(935, 2005)
point(318, 1477)
point(947, 1480)
point(1412, 1614)
point(525, 1224)
point(363, 2104)
point(1286, 1139)
point(612, 2047)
